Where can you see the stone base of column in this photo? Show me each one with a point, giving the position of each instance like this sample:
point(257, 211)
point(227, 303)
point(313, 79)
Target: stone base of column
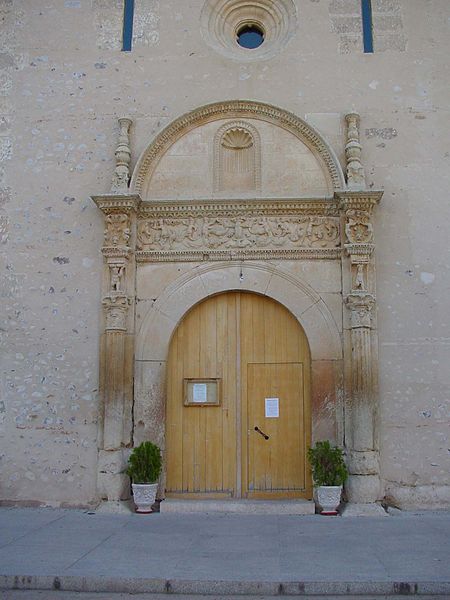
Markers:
point(363, 489)
point(113, 485)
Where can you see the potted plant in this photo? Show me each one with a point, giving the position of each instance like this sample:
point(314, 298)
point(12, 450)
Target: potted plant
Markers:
point(144, 469)
point(329, 474)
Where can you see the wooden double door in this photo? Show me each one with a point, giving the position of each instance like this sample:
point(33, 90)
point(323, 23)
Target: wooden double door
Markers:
point(252, 356)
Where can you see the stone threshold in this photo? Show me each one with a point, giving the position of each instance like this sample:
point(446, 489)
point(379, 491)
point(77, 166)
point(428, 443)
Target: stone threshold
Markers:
point(249, 507)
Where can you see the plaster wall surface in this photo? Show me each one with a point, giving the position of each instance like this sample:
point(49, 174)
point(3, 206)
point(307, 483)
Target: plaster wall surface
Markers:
point(64, 82)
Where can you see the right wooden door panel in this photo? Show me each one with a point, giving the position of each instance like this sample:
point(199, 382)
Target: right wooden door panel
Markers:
point(275, 363)
point(276, 448)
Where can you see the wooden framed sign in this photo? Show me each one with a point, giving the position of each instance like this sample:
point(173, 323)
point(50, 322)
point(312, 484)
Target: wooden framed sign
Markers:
point(202, 392)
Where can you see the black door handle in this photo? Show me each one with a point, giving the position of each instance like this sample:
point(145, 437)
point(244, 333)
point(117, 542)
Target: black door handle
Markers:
point(265, 436)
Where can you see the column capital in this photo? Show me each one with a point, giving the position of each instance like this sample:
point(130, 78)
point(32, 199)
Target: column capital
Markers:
point(360, 304)
point(116, 308)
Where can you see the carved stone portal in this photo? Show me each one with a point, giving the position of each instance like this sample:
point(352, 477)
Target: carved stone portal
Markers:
point(337, 228)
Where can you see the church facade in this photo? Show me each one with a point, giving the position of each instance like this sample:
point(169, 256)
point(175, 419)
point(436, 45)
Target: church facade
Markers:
point(223, 227)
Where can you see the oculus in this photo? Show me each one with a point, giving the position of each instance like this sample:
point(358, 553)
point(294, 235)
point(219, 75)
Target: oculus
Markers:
point(233, 27)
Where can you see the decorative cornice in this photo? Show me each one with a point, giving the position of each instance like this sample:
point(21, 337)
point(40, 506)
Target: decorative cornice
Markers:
point(109, 203)
point(228, 255)
point(202, 208)
point(358, 200)
point(236, 109)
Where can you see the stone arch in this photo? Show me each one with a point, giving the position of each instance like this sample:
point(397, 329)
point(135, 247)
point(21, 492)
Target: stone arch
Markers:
point(236, 109)
point(299, 298)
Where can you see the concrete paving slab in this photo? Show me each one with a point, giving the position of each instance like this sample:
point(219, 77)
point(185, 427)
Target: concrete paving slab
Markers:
point(224, 553)
point(44, 595)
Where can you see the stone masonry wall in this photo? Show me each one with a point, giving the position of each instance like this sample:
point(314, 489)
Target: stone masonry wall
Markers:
point(64, 82)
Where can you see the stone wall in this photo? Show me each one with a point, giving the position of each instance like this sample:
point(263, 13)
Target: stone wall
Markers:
point(64, 82)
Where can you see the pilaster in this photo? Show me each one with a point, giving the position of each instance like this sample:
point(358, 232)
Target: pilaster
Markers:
point(361, 406)
point(117, 343)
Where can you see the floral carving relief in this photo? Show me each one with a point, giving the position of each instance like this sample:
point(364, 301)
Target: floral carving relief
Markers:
point(358, 229)
point(117, 231)
point(237, 232)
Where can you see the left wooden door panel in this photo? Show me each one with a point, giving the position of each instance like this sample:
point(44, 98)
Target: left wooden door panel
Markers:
point(201, 440)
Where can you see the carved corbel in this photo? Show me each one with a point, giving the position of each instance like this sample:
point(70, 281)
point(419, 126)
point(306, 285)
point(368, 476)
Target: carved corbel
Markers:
point(356, 178)
point(121, 175)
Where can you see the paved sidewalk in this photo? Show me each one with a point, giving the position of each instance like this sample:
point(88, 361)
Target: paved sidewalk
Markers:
point(224, 553)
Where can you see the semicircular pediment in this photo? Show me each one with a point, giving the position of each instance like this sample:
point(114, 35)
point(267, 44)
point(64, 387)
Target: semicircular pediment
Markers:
point(252, 149)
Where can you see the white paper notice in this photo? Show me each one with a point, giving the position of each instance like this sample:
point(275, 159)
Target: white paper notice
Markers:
point(272, 408)
point(199, 393)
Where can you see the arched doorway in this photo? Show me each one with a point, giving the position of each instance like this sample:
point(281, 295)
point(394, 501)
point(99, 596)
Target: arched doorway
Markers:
point(238, 401)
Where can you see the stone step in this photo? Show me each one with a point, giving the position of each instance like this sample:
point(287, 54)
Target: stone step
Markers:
point(254, 507)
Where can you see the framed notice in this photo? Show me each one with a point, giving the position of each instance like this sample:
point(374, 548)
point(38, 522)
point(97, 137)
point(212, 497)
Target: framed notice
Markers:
point(272, 408)
point(202, 392)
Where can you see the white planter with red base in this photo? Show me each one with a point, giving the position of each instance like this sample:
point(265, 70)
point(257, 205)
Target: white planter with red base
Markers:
point(328, 498)
point(144, 495)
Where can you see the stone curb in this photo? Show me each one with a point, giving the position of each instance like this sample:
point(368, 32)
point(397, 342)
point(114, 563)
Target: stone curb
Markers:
point(226, 588)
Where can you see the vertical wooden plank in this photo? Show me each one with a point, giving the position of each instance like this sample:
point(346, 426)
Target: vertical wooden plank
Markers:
point(210, 422)
point(230, 395)
point(191, 356)
point(173, 428)
point(215, 416)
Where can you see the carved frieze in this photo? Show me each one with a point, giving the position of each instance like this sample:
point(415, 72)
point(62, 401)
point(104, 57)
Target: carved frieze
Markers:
point(235, 232)
point(226, 230)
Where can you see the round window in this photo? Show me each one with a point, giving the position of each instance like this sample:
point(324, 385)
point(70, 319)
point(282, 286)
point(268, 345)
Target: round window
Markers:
point(233, 27)
point(250, 36)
